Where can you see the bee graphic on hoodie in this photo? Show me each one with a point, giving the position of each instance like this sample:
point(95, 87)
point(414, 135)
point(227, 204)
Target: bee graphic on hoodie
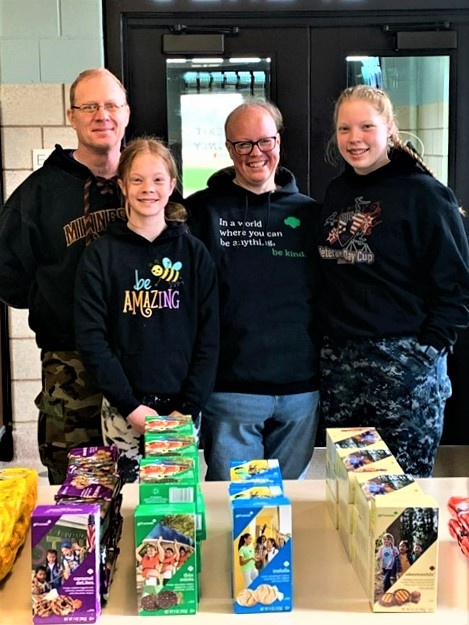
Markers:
point(167, 270)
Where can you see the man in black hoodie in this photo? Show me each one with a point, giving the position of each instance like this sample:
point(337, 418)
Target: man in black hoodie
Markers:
point(260, 231)
point(44, 228)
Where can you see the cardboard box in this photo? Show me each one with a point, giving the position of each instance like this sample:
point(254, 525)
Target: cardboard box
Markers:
point(167, 479)
point(270, 588)
point(387, 487)
point(181, 424)
point(371, 462)
point(344, 440)
point(414, 585)
point(72, 533)
point(166, 554)
point(259, 471)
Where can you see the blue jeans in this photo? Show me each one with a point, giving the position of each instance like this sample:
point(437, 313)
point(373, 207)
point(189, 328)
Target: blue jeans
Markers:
point(238, 426)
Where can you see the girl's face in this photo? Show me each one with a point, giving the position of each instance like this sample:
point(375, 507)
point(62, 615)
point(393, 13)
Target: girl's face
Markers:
point(41, 576)
point(362, 136)
point(148, 187)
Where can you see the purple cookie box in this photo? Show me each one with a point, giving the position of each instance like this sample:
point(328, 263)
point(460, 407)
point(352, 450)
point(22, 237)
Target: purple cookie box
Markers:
point(51, 525)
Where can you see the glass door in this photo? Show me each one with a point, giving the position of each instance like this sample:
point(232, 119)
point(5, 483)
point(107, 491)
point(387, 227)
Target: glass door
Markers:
point(200, 95)
point(419, 89)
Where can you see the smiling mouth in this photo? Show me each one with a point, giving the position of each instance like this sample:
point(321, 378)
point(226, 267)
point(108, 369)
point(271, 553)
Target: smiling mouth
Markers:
point(357, 151)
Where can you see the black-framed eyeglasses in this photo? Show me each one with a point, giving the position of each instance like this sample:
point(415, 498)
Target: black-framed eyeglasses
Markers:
point(92, 107)
point(266, 144)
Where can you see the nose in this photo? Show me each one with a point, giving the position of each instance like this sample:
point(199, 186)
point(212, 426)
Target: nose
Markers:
point(355, 134)
point(102, 112)
point(256, 148)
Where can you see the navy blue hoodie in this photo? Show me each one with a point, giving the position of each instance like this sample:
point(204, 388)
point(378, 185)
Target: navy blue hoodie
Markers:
point(394, 255)
point(263, 247)
point(146, 317)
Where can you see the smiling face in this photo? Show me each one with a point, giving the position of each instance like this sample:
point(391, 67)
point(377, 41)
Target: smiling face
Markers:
point(101, 131)
point(147, 188)
point(362, 136)
point(254, 171)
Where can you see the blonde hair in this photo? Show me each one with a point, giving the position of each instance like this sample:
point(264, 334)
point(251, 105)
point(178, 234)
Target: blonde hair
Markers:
point(173, 211)
point(90, 73)
point(382, 104)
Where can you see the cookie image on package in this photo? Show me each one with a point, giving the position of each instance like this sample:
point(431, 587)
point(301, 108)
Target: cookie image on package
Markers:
point(415, 596)
point(387, 600)
point(266, 594)
point(401, 596)
point(167, 599)
point(150, 602)
point(247, 598)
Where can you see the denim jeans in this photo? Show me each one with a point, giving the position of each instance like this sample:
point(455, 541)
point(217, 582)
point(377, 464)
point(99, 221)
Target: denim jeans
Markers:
point(239, 426)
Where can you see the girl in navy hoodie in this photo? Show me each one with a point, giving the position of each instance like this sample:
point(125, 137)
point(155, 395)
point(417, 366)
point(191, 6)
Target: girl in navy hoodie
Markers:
point(147, 306)
point(395, 270)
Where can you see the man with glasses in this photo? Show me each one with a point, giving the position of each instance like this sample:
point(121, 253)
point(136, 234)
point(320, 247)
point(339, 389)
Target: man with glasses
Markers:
point(260, 232)
point(44, 228)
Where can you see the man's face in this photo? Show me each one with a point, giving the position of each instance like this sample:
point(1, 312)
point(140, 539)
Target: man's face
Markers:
point(254, 171)
point(101, 131)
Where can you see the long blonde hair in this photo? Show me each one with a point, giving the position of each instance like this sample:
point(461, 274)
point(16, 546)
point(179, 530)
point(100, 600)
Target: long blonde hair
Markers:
point(381, 102)
point(173, 212)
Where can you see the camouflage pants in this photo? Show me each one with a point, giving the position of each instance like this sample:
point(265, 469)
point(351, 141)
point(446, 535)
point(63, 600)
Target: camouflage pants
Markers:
point(69, 411)
point(386, 384)
point(117, 431)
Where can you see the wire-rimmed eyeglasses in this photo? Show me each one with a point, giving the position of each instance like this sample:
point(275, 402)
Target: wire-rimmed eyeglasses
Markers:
point(92, 107)
point(266, 144)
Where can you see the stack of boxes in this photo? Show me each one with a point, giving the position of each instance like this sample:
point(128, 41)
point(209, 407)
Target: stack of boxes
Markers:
point(388, 525)
point(260, 507)
point(74, 542)
point(169, 519)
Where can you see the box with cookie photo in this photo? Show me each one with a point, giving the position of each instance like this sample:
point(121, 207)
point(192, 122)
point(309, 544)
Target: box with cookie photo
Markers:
point(166, 559)
point(404, 547)
point(65, 583)
point(262, 555)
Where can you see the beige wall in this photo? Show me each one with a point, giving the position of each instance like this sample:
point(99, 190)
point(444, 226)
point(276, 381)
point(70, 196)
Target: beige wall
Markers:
point(26, 128)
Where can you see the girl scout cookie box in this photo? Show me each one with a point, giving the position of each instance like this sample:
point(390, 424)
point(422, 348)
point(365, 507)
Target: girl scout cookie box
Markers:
point(180, 424)
point(166, 555)
point(410, 525)
point(258, 471)
point(268, 588)
point(167, 479)
point(72, 534)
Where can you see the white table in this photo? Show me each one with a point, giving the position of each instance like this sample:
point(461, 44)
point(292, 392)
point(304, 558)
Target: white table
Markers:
point(327, 590)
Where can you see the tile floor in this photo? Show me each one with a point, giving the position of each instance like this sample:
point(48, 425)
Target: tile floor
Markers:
point(452, 460)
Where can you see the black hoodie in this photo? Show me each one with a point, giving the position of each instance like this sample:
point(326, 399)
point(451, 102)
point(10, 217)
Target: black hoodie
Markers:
point(263, 247)
point(42, 237)
point(395, 258)
point(147, 317)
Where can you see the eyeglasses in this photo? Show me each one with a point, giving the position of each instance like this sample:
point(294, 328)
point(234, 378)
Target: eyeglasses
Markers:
point(266, 144)
point(92, 107)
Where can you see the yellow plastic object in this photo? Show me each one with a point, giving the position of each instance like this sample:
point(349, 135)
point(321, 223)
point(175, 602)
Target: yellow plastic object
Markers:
point(18, 497)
